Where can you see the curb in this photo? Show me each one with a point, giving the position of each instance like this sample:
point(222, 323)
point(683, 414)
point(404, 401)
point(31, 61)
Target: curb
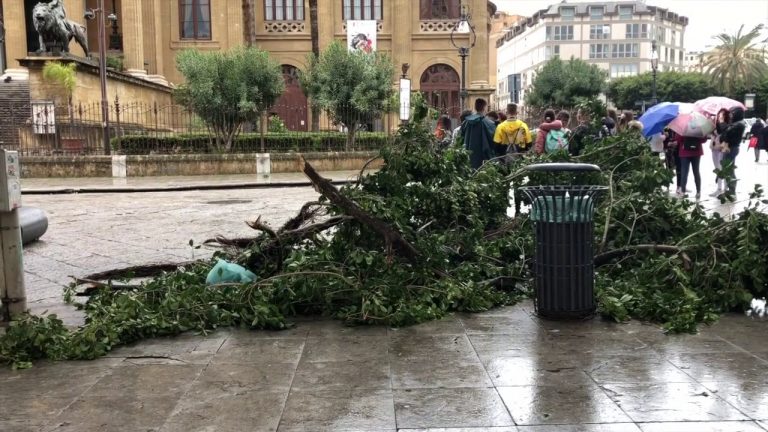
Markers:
point(179, 188)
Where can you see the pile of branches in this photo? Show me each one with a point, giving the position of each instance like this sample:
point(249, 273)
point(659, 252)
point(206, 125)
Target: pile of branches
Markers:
point(424, 236)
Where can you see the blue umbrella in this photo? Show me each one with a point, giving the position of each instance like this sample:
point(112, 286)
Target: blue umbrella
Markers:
point(658, 117)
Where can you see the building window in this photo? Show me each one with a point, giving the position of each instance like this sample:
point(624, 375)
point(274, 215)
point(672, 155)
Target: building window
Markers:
point(567, 13)
point(551, 51)
point(362, 9)
point(284, 10)
point(195, 17)
point(599, 31)
point(660, 34)
point(560, 32)
point(625, 12)
point(681, 57)
point(623, 70)
point(637, 31)
point(625, 50)
point(596, 12)
point(674, 38)
point(440, 9)
point(598, 51)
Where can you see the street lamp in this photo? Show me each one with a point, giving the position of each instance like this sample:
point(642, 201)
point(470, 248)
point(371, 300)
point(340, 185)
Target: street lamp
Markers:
point(89, 15)
point(463, 37)
point(654, 68)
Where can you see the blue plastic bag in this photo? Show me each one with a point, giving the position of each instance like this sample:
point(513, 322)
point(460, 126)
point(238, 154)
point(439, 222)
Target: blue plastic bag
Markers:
point(227, 272)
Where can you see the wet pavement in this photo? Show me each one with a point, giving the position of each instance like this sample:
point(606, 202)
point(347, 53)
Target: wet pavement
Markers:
point(503, 370)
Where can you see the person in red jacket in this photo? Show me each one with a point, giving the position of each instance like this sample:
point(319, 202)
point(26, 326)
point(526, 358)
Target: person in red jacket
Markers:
point(691, 149)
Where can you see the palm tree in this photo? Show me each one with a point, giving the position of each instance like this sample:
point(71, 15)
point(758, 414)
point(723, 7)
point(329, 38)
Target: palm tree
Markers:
point(738, 59)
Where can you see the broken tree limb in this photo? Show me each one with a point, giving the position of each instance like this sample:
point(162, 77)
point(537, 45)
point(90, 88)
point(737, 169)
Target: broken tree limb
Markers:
point(391, 236)
point(606, 257)
point(136, 271)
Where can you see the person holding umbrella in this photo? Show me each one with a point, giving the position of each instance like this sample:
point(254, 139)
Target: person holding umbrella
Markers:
point(731, 139)
point(692, 128)
point(723, 119)
point(691, 150)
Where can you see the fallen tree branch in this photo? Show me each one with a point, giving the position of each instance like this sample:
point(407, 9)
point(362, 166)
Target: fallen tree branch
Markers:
point(98, 284)
point(307, 212)
point(146, 270)
point(606, 257)
point(365, 166)
point(391, 236)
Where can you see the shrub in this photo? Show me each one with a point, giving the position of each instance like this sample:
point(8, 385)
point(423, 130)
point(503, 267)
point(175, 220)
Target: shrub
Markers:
point(247, 143)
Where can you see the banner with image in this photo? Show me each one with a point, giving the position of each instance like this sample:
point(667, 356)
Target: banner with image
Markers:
point(361, 35)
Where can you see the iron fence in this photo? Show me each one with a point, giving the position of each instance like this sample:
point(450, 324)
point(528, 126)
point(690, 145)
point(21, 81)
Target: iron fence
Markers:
point(45, 128)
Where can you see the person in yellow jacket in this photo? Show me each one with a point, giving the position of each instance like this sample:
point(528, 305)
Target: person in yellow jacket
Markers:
point(512, 132)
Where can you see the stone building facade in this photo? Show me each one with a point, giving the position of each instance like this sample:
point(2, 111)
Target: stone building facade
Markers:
point(148, 33)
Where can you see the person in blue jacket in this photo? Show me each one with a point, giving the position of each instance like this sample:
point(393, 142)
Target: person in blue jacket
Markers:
point(477, 131)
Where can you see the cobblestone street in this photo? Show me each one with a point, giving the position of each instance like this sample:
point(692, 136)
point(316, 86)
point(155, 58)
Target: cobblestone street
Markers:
point(94, 232)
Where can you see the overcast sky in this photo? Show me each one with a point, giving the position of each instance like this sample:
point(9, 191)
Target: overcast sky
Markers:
point(707, 17)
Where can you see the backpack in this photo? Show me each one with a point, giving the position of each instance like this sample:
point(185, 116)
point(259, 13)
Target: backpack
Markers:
point(556, 140)
point(518, 139)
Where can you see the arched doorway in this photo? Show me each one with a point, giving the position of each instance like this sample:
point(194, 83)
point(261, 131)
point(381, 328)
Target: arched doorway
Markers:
point(440, 84)
point(291, 107)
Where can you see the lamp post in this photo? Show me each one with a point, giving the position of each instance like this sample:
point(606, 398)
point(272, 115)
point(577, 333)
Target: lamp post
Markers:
point(463, 38)
point(89, 15)
point(654, 69)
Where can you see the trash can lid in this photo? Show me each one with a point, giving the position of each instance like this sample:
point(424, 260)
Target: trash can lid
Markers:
point(563, 167)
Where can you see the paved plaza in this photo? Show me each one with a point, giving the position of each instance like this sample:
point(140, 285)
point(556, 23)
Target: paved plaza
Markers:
point(504, 370)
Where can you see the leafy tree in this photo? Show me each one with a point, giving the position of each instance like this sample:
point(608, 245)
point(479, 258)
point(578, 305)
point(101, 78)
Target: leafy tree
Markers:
point(737, 60)
point(227, 89)
point(63, 76)
point(562, 83)
point(671, 87)
point(350, 86)
point(760, 90)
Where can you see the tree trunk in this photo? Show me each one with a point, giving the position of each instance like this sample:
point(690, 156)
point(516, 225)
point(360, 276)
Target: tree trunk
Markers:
point(249, 22)
point(315, 36)
point(351, 129)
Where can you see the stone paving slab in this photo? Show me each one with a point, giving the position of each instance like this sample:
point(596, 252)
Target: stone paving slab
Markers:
point(503, 370)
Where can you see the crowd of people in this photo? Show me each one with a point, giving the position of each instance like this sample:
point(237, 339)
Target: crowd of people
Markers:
point(493, 135)
point(683, 154)
point(496, 134)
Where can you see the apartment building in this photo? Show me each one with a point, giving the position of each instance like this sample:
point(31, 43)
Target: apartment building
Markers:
point(694, 61)
point(616, 36)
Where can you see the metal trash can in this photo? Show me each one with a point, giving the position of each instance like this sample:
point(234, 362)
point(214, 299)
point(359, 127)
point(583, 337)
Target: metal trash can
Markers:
point(563, 218)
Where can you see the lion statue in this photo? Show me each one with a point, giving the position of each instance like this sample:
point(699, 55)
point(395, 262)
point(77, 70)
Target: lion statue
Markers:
point(55, 30)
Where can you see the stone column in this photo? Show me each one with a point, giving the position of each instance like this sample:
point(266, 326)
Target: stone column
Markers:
point(15, 34)
point(477, 62)
point(402, 48)
point(133, 37)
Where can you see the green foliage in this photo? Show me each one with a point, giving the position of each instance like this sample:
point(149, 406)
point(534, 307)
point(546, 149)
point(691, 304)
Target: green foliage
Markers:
point(276, 125)
point(352, 87)
point(227, 89)
point(560, 84)
point(671, 87)
point(658, 258)
point(116, 63)
point(737, 60)
point(249, 143)
point(759, 89)
point(62, 75)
